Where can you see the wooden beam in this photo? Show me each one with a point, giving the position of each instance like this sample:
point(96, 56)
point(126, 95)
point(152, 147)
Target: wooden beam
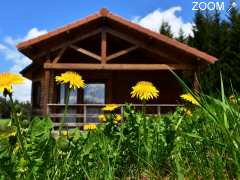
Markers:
point(60, 54)
point(141, 44)
point(46, 91)
point(86, 52)
point(196, 84)
point(121, 53)
point(80, 38)
point(67, 66)
point(104, 46)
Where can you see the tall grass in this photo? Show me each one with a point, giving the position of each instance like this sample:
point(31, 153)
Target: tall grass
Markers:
point(203, 144)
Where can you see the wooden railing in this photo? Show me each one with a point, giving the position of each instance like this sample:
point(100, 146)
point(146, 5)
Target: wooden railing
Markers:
point(81, 111)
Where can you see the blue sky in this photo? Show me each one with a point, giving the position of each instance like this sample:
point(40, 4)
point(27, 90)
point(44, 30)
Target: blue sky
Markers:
point(24, 19)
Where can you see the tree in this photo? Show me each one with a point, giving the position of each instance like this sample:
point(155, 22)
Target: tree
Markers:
point(165, 29)
point(181, 36)
point(219, 38)
point(4, 108)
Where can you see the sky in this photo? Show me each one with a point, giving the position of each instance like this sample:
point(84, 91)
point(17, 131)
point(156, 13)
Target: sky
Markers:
point(24, 19)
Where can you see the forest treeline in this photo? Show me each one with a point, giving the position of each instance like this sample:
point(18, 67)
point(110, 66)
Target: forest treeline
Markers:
point(219, 35)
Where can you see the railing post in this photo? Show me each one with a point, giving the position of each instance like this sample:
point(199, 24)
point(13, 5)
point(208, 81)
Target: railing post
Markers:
point(84, 113)
point(122, 110)
point(159, 110)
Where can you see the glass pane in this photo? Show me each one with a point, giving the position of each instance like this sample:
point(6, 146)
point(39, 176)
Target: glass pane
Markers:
point(62, 94)
point(94, 94)
point(73, 97)
point(72, 100)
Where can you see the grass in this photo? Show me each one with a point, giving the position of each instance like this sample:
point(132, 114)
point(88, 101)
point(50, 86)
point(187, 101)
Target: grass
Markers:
point(4, 122)
point(194, 142)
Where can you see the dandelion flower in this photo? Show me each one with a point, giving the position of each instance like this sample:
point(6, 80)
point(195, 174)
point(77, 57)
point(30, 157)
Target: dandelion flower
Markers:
point(144, 90)
point(73, 79)
point(188, 97)
point(188, 112)
point(102, 118)
point(7, 80)
point(89, 126)
point(65, 133)
point(110, 107)
point(233, 99)
point(117, 119)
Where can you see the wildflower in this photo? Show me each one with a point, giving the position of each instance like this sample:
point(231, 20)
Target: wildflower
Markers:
point(117, 119)
point(187, 112)
point(102, 118)
point(7, 80)
point(16, 149)
point(89, 126)
point(72, 78)
point(233, 99)
point(110, 107)
point(188, 97)
point(144, 90)
point(65, 133)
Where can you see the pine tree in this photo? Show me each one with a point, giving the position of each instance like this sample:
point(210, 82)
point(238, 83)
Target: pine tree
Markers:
point(211, 34)
point(165, 29)
point(181, 36)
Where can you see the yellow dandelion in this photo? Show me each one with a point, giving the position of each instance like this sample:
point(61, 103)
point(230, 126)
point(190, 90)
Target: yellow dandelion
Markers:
point(233, 99)
point(102, 118)
point(73, 79)
point(188, 97)
point(144, 90)
point(16, 149)
point(89, 126)
point(188, 112)
point(65, 133)
point(7, 80)
point(117, 119)
point(110, 107)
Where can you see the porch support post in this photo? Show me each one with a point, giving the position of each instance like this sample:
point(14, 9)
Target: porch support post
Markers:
point(196, 84)
point(104, 46)
point(46, 90)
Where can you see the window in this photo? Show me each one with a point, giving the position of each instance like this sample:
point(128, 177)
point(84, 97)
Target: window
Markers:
point(94, 93)
point(36, 94)
point(63, 94)
point(72, 100)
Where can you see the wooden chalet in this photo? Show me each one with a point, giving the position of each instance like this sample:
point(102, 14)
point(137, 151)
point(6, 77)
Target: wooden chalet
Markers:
point(112, 54)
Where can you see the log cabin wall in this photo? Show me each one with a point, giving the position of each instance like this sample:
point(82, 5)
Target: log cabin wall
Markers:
point(38, 77)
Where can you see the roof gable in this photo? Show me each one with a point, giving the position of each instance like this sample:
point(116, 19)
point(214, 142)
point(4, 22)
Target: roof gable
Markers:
point(32, 47)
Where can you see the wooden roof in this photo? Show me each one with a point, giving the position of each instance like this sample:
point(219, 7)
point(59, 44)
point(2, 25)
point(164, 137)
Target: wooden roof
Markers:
point(35, 46)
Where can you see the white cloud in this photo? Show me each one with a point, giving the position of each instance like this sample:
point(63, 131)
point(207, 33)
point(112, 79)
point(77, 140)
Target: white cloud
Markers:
point(19, 61)
point(154, 20)
point(34, 32)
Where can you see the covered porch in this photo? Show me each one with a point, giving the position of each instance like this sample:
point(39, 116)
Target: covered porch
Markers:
point(109, 87)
